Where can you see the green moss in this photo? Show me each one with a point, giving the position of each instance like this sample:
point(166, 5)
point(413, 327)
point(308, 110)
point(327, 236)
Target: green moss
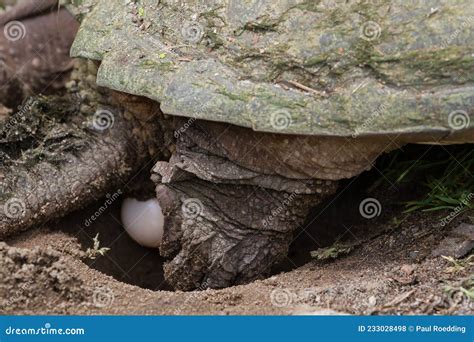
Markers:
point(162, 65)
point(315, 60)
point(262, 26)
point(233, 96)
point(424, 66)
point(213, 14)
point(317, 46)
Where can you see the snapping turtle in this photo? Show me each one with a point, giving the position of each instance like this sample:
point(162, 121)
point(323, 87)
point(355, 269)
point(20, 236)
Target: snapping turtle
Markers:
point(250, 112)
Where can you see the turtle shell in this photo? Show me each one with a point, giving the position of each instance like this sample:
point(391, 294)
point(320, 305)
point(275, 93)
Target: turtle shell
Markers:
point(306, 67)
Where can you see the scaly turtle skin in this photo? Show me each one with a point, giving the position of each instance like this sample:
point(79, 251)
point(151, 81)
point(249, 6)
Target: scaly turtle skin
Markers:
point(272, 103)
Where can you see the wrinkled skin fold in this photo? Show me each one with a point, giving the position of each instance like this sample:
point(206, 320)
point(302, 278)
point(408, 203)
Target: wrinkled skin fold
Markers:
point(222, 235)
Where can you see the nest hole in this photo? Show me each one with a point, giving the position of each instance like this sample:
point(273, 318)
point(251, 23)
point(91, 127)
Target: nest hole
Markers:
point(336, 220)
point(125, 260)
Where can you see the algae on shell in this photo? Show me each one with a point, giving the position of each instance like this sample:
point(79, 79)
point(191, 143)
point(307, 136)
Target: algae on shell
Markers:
point(292, 66)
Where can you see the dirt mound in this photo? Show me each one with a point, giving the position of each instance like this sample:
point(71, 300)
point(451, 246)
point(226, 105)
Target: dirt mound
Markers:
point(393, 272)
point(37, 279)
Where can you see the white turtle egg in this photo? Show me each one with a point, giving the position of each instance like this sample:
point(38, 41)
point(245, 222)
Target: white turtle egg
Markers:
point(143, 221)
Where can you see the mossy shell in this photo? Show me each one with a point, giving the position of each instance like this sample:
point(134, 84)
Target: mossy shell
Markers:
point(309, 67)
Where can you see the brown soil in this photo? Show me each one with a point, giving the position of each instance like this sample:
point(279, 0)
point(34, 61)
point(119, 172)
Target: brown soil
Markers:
point(390, 270)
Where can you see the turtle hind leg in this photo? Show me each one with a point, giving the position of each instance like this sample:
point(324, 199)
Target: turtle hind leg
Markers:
point(224, 223)
point(222, 235)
